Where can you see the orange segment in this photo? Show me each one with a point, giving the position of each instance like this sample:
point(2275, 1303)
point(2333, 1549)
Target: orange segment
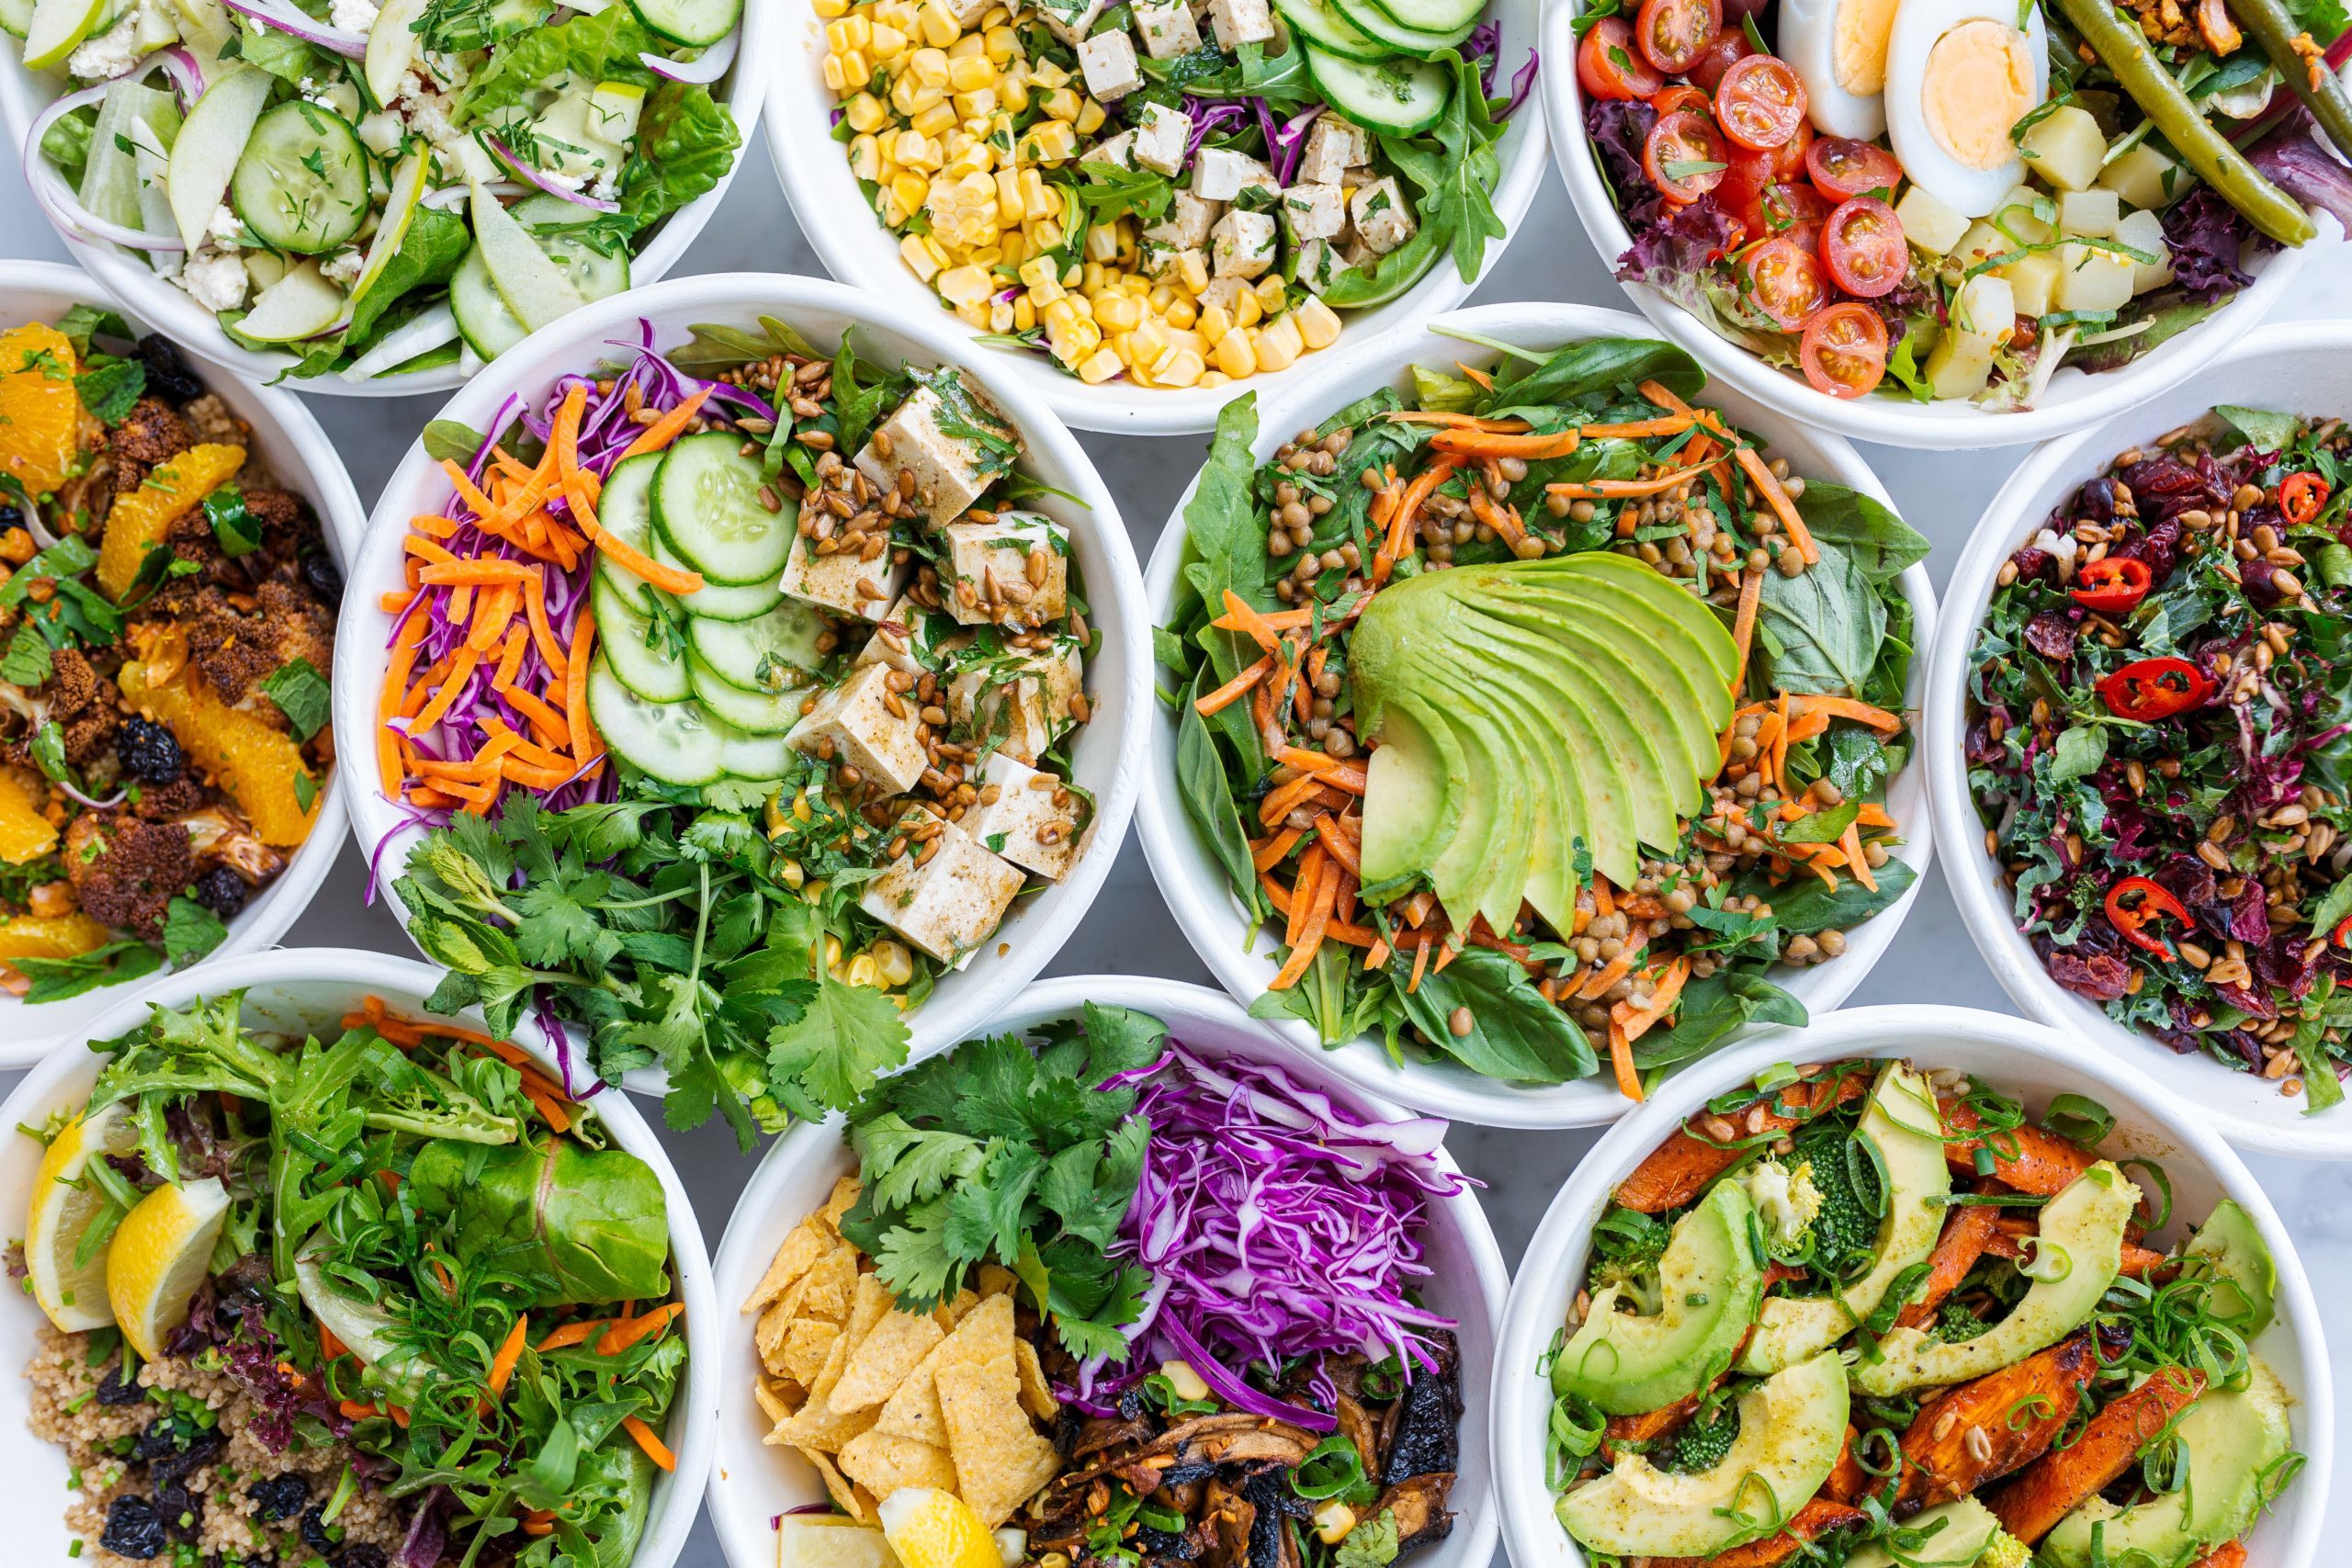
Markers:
point(141, 519)
point(255, 764)
point(39, 411)
point(25, 834)
point(51, 936)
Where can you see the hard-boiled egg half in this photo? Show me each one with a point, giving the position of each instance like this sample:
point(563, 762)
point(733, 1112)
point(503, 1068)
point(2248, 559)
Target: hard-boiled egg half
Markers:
point(1960, 73)
point(1838, 48)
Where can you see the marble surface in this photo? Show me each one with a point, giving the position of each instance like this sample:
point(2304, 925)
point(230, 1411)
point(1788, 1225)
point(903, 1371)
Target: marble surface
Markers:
point(1131, 933)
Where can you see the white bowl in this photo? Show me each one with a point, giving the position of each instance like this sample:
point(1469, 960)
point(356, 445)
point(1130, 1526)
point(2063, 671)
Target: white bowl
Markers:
point(25, 93)
point(1195, 885)
point(2299, 367)
point(752, 1483)
point(299, 453)
point(2073, 399)
point(309, 990)
point(2024, 1060)
point(854, 246)
point(1108, 751)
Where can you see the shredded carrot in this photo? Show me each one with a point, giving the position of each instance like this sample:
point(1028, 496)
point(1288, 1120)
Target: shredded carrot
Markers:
point(534, 1524)
point(1486, 443)
point(584, 741)
point(1282, 797)
point(502, 1366)
point(1856, 859)
point(1604, 896)
point(572, 1334)
point(1340, 843)
point(623, 1335)
point(389, 740)
point(1457, 421)
point(636, 563)
point(1624, 490)
point(1276, 894)
point(663, 431)
point(468, 492)
point(1400, 525)
point(455, 574)
point(655, 1449)
point(329, 1346)
point(1850, 707)
point(1782, 507)
point(1319, 905)
point(1872, 815)
point(396, 604)
point(1743, 628)
point(1420, 965)
point(1311, 762)
point(1621, 1062)
point(546, 1107)
point(1310, 872)
point(1272, 851)
point(1779, 771)
point(1294, 620)
point(1247, 618)
point(461, 669)
point(1225, 695)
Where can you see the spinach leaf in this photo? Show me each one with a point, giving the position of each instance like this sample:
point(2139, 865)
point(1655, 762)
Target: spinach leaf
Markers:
point(1808, 908)
point(2262, 430)
point(1208, 797)
point(1597, 365)
point(1820, 630)
point(1880, 543)
point(1392, 275)
point(1515, 1035)
point(1712, 1009)
point(427, 258)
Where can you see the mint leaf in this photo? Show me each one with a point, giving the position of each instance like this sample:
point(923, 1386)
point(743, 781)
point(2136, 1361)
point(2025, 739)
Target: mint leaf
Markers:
point(28, 660)
point(190, 931)
point(301, 694)
point(110, 387)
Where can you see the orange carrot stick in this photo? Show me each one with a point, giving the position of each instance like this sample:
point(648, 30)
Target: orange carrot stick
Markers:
point(1782, 507)
point(1227, 694)
point(663, 431)
point(461, 669)
point(655, 1449)
point(502, 1366)
point(623, 1335)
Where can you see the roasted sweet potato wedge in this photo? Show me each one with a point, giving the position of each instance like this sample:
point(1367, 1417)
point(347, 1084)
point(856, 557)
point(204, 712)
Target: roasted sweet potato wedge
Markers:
point(2043, 1162)
point(1648, 1425)
point(1847, 1479)
point(2053, 1486)
point(1813, 1521)
point(1983, 1430)
point(1678, 1169)
point(2229, 1554)
point(1966, 1234)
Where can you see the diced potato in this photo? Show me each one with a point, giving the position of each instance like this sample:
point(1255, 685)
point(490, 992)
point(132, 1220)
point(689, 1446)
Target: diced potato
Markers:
point(2033, 282)
point(2146, 177)
point(1981, 242)
point(2090, 214)
point(1983, 313)
point(1929, 223)
point(2028, 214)
point(1957, 367)
point(2145, 231)
point(2066, 147)
point(2091, 279)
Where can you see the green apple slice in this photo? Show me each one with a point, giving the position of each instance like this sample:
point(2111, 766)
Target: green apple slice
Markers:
point(206, 152)
point(57, 28)
point(301, 304)
point(391, 48)
point(400, 210)
point(533, 287)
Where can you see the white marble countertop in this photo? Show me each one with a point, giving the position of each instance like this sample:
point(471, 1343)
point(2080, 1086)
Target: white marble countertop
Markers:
point(1933, 961)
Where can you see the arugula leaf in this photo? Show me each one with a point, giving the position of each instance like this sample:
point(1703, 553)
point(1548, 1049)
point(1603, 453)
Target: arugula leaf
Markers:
point(301, 694)
point(1463, 202)
point(190, 931)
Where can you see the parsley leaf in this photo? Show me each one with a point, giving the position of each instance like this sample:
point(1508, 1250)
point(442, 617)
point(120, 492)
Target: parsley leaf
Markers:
point(301, 694)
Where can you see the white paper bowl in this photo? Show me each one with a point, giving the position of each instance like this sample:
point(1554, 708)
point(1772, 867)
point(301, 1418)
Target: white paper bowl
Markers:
point(2298, 367)
point(312, 988)
point(299, 453)
point(752, 1483)
point(2020, 1059)
point(25, 93)
point(1108, 751)
point(854, 246)
point(1195, 885)
point(2073, 399)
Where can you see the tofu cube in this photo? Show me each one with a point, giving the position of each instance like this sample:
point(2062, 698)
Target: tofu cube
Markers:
point(993, 580)
point(853, 724)
point(969, 12)
point(1382, 217)
point(1186, 227)
point(949, 903)
point(1317, 265)
point(1018, 703)
point(1021, 823)
point(845, 582)
point(1224, 294)
point(1071, 20)
point(910, 637)
point(1160, 136)
point(1314, 211)
point(1109, 62)
point(1168, 30)
point(1119, 149)
point(1242, 244)
point(1237, 22)
point(1333, 147)
point(950, 471)
point(1220, 174)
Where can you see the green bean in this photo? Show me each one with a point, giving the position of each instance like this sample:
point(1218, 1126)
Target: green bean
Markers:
point(2311, 81)
point(2124, 49)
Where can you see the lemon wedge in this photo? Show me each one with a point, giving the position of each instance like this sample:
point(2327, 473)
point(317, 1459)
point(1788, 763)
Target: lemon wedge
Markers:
point(160, 1256)
point(827, 1540)
point(931, 1528)
point(72, 1292)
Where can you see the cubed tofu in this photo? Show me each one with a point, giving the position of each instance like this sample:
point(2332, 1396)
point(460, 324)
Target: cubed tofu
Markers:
point(2089, 214)
point(1333, 147)
point(2145, 232)
point(1186, 227)
point(1071, 20)
point(1109, 61)
point(1220, 174)
point(1382, 217)
point(1928, 222)
point(992, 576)
point(1242, 244)
point(1018, 702)
point(2093, 278)
point(911, 637)
point(1021, 821)
point(1224, 294)
point(950, 471)
point(1314, 211)
point(852, 723)
point(969, 12)
point(845, 582)
point(1118, 150)
point(1317, 265)
point(2064, 147)
point(1160, 136)
point(945, 894)
point(1237, 22)
point(1168, 30)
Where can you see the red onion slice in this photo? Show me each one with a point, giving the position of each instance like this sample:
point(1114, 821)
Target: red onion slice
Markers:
point(187, 74)
point(58, 199)
point(540, 180)
point(708, 69)
point(287, 20)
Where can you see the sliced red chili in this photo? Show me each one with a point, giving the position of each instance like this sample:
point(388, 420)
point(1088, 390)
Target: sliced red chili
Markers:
point(2302, 497)
point(2111, 584)
point(2343, 934)
point(2135, 902)
point(2150, 689)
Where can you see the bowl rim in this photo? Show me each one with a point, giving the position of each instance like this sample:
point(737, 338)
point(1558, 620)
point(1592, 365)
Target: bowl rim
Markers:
point(1530, 1531)
point(1887, 421)
point(1195, 890)
point(802, 1144)
point(1117, 605)
point(742, 92)
point(326, 483)
point(813, 170)
point(1968, 594)
point(694, 1412)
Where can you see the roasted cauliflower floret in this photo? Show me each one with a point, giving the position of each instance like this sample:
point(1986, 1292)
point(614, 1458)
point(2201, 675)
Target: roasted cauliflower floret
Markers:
point(1786, 1200)
point(149, 435)
point(233, 651)
point(74, 697)
point(218, 837)
point(126, 872)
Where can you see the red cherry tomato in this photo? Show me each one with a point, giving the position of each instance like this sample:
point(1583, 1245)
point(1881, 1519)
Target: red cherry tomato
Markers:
point(2111, 585)
point(2302, 497)
point(1752, 173)
point(2150, 689)
point(1715, 59)
point(1863, 246)
point(1759, 102)
point(1680, 95)
point(1786, 283)
point(1842, 168)
point(1609, 66)
point(1844, 351)
point(1672, 33)
point(1684, 155)
point(1792, 212)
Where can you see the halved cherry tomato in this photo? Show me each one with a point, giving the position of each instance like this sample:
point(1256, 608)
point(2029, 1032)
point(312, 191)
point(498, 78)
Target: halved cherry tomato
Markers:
point(1680, 96)
point(1684, 155)
point(2150, 689)
point(1759, 102)
point(1863, 246)
point(1794, 213)
point(1844, 350)
point(1610, 67)
point(1786, 283)
point(1842, 168)
point(2302, 497)
point(1752, 172)
point(2138, 901)
point(2111, 584)
point(1715, 59)
point(1671, 33)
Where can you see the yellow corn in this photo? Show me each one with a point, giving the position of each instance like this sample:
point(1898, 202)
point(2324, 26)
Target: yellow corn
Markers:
point(1214, 323)
point(1177, 367)
point(912, 251)
point(1008, 197)
point(971, 46)
point(1279, 343)
point(1025, 314)
point(851, 32)
point(888, 42)
point(1099, 366)
point(929, 67)
point(976, 104)
point(1245, 309)
point(828, 8)
point(836, 80)
point(940, 27)
point(933, 122)
point(1001, 43)
point(1119, 313)
point(910, 190)
point(1193, 271)
point(1181, 314)
point(969, 73)
point(1062, 104)
point(1233, 355)
point(1271, 294)
point(1318, 326)
point(1090, 118)
point(896, 964)
point(865, 113)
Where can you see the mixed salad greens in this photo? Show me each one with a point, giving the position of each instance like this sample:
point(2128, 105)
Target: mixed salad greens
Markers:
point(379, 187)
point(1188, 215)
point(1995, 191)
point(421, 1278)
point(2157, 743)
point(1542, 712)
point(1870, 1315)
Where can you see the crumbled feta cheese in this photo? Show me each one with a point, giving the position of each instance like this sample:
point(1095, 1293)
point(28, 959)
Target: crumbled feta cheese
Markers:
point(1030, 818)
point(853, 723)
point(1220, 173)
point(226, 230)
point(341, 269)
point(1186, 227)
point(945, 893)
point(1071, 20)
point(353, 15)
point(215, 279)
point(1314, 211)
point(110, 53)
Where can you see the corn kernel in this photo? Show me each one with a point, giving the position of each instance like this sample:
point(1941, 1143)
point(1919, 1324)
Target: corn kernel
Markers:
point(1102, 244)
point(911, 97)
point(910, 189)
point(1038, 274)
point(1193, 271)
point(912, 251)
point(836, 79)
point(1279, 344)
point(865, 113)
point(970, 72)
point(933, 121)
point(986, 256)
point(929, 66)
point(827, 9)
point(999, 315)
point(1246, 312)
point(1147, 343)
point(1119, 313)
point(1048, 74)
point(976, 104)
point(1214, 323)
point(1317, 325)
point(1014, 246)
point(1090, 118)
point(974, 314)
point(1013, 92)
point(1062, 104)
point(899, 14)
point(1038, 199)
point(865, 158)
point(1161, 298)
point(1332, 1522)
point(1213, 377)
point(996, 17)
point(897, 965)
point(1049, 142)
point(971, 46)
point(1001, 44)
point(864, 971)
point(1025, 314)
point(1177, 367)
point(888, 42)
point(1082, 339)
point(1181, 314)
point(1046, 234)
point(940, 27)
point(1008, 197)
point(1100, 366)
point(890, 209)
point(1193, 341)
point(852, 31)
point(1233, 355)
point(1271, 294)
point(1058, 315)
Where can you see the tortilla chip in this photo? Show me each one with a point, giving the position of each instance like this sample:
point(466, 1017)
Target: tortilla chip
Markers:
point(843, 1198)
point(1000, 1461)
point(951, 1312)
point(818, 1426)
point(805, 1349)
point(984, 1336)
point(883, 1464)
point(773, 1399)
point(866, 1309)
point(833, 1283)
point(884, 1358)
point(848, 1499)
point(801, 1249)
point(994, 1280)
point(775, 1324)
point(1036, 1394)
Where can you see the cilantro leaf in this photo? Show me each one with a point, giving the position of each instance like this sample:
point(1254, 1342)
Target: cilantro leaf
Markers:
point(846, 1037)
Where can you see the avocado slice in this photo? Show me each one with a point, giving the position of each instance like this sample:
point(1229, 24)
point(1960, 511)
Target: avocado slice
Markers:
point(2083, 1225)
point(1481, 864)
point(1951, 1535)
point(1791, 1427)
point(1711, 1279)
point(2246, 1278)
point(2231, 1437)
point(1901, 1122)
point(1708, 639)
point(1412, 783)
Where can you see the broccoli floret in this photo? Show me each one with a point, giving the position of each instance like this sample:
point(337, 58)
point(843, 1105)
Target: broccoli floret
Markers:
point(1706, 1439)
point(1787, 1200)
point(1626, 1246)
point(2005, 1550)
point(1957, 1322)
point(1845, 1232)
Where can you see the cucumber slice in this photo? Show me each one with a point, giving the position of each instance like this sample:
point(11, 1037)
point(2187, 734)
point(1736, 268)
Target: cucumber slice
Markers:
point(758, 758)
point(720, 602)
point(754, 713)
point(676, 742)
point(1434, 16)
point(695, 22)
point(621, 632)
point(707, 504)
point(302, 184)
point(762, 655)
point(624, 510)
point(110, 178)
point(1315, 20)
point(209, 146)
point(1395, 97)
point(490, 328)
point(1367, 17)
point(589, 270)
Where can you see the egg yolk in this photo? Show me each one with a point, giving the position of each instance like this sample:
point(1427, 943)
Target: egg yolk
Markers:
point(1859, 44)
point(1978, 83)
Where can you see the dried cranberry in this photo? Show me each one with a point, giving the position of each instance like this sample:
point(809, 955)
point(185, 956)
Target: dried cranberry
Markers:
point(2158, 549)
point(2253, 1003)
point(2101, 976)
point(2051, 636)
point(2033, 563)
point(2100, 500)
point(359, 1554)
point(134, 1529)
point(324, 576)
point(2259, 578)
point(278, 1497)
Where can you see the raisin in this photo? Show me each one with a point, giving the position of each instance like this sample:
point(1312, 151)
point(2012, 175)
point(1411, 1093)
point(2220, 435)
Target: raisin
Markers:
point(168, 376)
point(324, 576)
point(278, 1497)
point(359, 1554)
point(314, 1528)
point(222, 891)
point(134, 1529)
point(117, 1389)
point(150, 752)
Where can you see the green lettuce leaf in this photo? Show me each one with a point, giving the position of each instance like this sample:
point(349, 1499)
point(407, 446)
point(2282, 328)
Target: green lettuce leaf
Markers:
point(603, 47)
point(685, 145)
